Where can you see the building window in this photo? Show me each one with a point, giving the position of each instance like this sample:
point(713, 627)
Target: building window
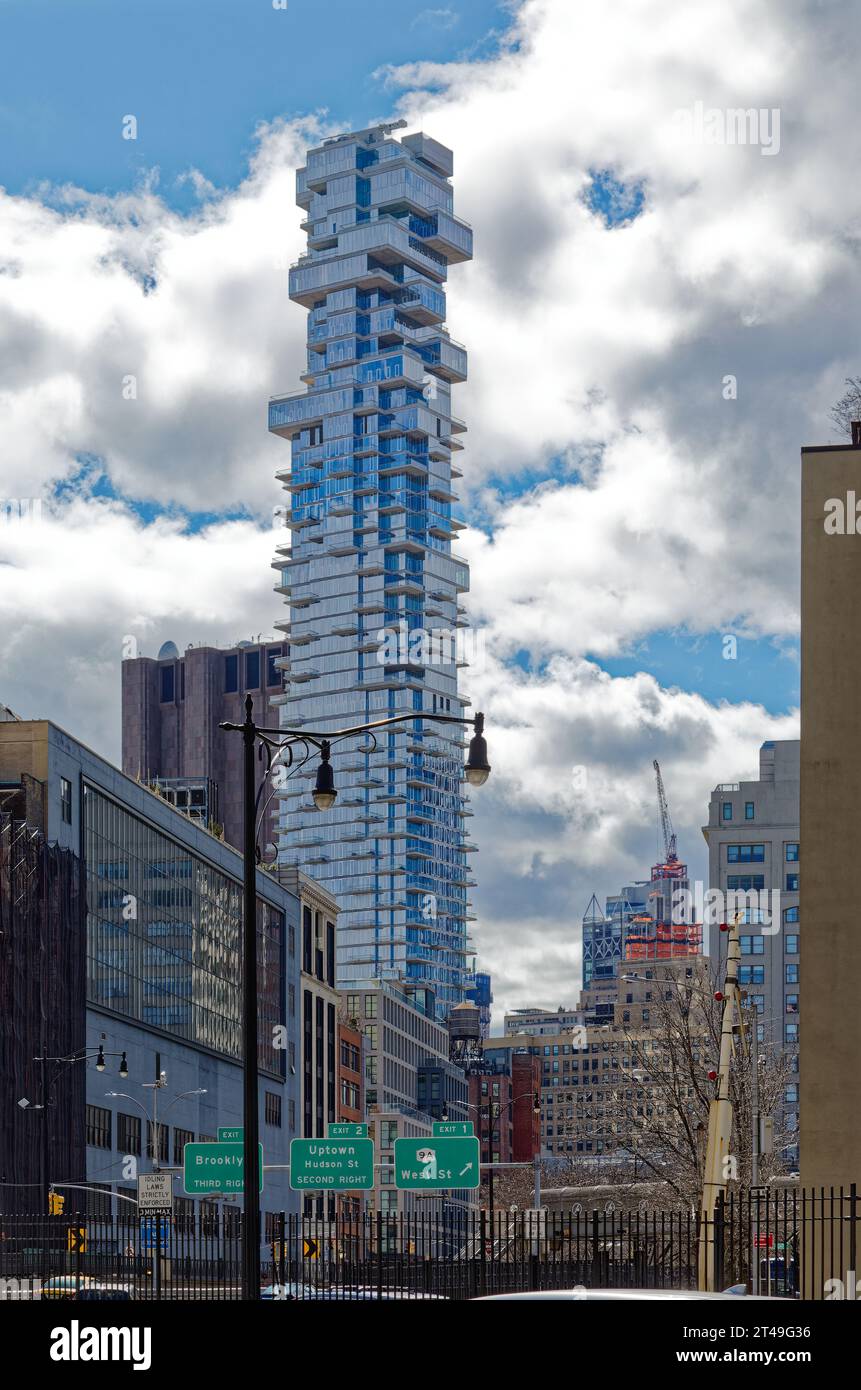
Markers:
point(791, 914)
point(181, 1137)
point(745, 882)
point(163, 1141)
point(272, 1109)
point(792, 1003)
point(128, 1133)
point(751, 975)
point(790, 1093)
point(209, 1218)
point(370, 1006)
point(183, 1216)
point(726, 810)
point(273, 675)
point(98, 1201)
point(792, 852)
point(791, 974)
point(330, 954)
point(745, 854)
point(388, 1133)
point(252, 670)
point(752, 945)
point(748, 810)
point(791, 1030)
point(66, 800)
point(167, 684)
point(98, 1127)
point(231, 674)
point(792, 945)
point(792, 883)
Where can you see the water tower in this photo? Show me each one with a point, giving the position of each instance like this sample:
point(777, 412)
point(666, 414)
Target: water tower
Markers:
point(464, 1030)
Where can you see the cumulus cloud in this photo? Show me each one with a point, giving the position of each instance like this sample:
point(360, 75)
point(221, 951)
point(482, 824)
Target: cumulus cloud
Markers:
point(616, 484)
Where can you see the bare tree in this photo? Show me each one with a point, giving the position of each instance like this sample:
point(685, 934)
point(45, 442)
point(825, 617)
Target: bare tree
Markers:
point(665, 1122)
point(848, 408)
point(652, 1111)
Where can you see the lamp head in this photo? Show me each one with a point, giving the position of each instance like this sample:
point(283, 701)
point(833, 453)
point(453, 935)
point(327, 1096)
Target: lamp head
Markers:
point(324, 792)
point(477, 767)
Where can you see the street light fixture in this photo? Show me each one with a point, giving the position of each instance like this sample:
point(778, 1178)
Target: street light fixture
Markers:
point(279, 742)
point(477, 766)
point(324, 789)
point(85, 1055)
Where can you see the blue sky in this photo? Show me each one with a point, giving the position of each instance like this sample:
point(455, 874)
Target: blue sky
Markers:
point(627, 515)
point(199, 77)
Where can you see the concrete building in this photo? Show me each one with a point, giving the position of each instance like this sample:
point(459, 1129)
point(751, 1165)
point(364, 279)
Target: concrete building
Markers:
point(526, 1118)
point(540, 1021)
point(753, 837)
point(480, 992)
point(589, 1097)
point(375, 625)
point(171, 708)
point(163, 920)
point(405, 1050)
point(830, 1148)
point(491, 1111)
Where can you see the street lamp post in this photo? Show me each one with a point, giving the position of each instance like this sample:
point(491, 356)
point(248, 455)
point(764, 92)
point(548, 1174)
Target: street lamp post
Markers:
point(283, 741)
point(498, 1108)
point(85, 1055)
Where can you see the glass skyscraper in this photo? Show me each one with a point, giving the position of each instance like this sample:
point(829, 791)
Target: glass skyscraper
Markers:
point(372, 583)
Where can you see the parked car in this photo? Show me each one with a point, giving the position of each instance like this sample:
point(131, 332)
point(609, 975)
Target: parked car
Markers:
point(64, 1285)
point(609, 1295)
point(105, 1292)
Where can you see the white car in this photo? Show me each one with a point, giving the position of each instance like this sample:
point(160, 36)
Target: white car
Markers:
point(608, 1295)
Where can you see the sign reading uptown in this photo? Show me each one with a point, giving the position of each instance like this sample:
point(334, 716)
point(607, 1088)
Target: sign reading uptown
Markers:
point(342, 1164)
point(430, 1164)
point(209, 1167)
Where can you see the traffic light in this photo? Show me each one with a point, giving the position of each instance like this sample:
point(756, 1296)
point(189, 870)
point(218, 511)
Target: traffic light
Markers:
point(56, 1202)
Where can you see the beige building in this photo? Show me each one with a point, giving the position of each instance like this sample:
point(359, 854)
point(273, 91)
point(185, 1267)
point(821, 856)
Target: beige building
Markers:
point(596, 1089)
point(830, 1038)
point(318, 1062)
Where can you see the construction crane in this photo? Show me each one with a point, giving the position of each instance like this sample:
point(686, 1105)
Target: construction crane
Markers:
point(670, 855)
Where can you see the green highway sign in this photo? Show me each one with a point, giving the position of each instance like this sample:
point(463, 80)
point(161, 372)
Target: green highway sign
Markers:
point(346, 1129)
point(209, 1167)
point(231, 1134)
point(424, 1165)
point(453, 1129)
point(342, 1164)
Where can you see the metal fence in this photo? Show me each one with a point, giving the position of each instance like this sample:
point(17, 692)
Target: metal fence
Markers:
point(772, 1244)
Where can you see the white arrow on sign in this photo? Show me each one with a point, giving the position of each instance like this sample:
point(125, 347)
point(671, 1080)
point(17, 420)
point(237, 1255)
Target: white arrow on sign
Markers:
point(465, 1170)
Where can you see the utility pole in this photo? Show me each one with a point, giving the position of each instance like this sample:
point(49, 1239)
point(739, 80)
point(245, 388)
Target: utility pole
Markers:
point(250, 1105)
point(720, 1117)
point(754, 1143)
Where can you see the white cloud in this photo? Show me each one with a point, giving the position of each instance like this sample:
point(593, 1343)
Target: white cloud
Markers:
point(597, 357)
point(444, 18)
